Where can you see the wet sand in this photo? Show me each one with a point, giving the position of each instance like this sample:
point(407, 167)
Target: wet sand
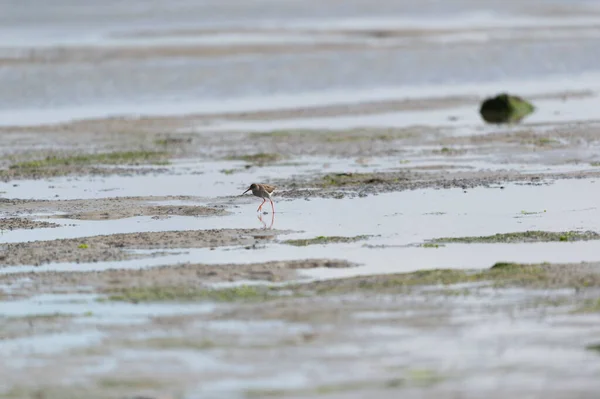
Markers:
point(184, 276)
point(114, 247)
point(21, 223)
point(114, 208)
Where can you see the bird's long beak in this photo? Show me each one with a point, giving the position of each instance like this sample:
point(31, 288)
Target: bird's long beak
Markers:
point(245, 191)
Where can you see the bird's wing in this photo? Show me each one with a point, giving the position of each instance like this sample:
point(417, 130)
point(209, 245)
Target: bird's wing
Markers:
point(269, 188)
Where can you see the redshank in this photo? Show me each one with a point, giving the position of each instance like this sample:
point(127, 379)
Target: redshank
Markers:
point(263, 191)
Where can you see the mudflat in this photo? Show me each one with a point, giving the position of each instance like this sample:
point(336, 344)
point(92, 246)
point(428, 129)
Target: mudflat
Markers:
point(415, 251)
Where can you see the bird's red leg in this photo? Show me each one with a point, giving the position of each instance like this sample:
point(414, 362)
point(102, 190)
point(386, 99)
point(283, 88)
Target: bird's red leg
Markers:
point(272, 206)
point(260, 206)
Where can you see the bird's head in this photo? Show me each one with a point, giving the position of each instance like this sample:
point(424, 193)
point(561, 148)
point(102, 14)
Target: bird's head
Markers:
point(252, 187)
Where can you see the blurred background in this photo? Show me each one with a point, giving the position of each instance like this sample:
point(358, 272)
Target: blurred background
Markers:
point(78, 59)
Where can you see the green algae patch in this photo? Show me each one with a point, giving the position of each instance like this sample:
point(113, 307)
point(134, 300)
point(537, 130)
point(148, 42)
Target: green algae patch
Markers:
point(172, 343)
point(449, 151)
point(431, 245)
point(325, 390)
point(395, 282)
point(118, 383)
point(424, 377)
point(412, 378)
point(342, 137)
point(514, 274)
point(527, 213)
point(110, 158)
point(500, 275)
point(276, 133)
point(545, 142)
point(260, 158)
point(324, 240)
point(172, 141)
point(508, 275)
point(524, 237)
point(505, 108)
point(50, 317)
point(334, 136)
point(360, 179)
point(190, 294)
point(589, 306)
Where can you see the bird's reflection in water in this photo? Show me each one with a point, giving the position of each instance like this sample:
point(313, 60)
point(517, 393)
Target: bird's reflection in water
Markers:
point(260, 217)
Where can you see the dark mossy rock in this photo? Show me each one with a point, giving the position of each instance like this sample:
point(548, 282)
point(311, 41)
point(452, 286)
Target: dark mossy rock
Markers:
point(505, 265)
point(505, 108)
point(594, 348)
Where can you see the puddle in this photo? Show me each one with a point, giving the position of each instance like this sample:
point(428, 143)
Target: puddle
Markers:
point(93, 311)
point(48, 344)
point(258, 328)
point(571, 110)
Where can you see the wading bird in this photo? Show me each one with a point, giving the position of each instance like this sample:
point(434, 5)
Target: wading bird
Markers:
point(263, 191)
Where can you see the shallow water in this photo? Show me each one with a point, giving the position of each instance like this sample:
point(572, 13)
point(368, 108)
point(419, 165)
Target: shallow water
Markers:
point(398, 222)
point(87, 305)
point(410, 215)
point(47, 345)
